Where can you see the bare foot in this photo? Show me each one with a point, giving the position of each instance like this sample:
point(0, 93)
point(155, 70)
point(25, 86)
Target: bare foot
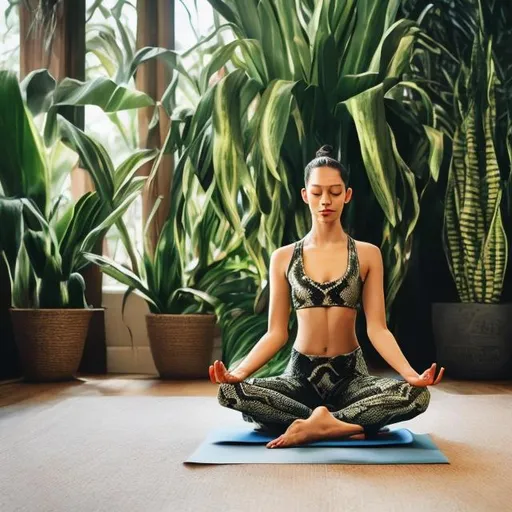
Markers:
point(320, 425)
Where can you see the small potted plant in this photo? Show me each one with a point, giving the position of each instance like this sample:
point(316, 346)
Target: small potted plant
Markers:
point(182, 319)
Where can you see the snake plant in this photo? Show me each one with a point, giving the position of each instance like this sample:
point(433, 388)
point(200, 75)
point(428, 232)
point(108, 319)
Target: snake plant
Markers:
point(474, 236)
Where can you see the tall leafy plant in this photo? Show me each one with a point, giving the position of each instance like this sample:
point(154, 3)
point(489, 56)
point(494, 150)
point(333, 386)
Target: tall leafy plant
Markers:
point(337, 77)
point(475, 239)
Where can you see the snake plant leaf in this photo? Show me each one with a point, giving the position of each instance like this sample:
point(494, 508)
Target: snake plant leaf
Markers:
point(227, 12)
point(61, 224)
point(53, 291)
point(373, 19)
point(100, 40)
point(228, 160)
point(87, 213)
point(38, 250)
point(110, 219)
point(103, 92)
point(295, 39)
point(278, 62)
point(170, 57)
point(436, 152)
point(253, 61)
point(394, 50)
point(473, 234)
point(206, 297)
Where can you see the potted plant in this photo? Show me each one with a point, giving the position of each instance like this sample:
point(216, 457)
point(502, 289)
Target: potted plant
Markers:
point(181, 320)
point(473, 336)
point(44, 242)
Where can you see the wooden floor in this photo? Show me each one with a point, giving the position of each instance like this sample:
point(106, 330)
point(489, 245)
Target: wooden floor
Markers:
point(20, 392)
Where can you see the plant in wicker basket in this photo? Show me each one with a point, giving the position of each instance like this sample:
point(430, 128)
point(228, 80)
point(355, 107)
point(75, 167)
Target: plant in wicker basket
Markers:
point(43, 241)
point(181, 319)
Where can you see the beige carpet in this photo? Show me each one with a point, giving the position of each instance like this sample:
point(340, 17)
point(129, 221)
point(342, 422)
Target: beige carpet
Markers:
point(125, 453)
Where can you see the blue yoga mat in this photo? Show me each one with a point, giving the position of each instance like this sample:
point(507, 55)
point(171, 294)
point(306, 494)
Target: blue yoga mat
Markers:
point(243, 446)
point(239, 436)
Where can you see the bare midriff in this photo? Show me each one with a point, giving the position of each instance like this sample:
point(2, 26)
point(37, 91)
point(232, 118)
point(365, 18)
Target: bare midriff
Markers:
point(326, 331)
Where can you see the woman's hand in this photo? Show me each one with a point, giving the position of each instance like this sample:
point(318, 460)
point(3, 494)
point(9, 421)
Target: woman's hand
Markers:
point(219, 374)
point(426, 378)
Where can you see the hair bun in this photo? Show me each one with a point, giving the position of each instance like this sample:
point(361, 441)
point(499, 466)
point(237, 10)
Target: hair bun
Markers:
point(325, 150)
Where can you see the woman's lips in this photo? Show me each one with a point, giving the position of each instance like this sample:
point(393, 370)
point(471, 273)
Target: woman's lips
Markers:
point(326, 212)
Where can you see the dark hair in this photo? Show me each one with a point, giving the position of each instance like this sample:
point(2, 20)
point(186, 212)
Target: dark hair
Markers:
point(324, 160)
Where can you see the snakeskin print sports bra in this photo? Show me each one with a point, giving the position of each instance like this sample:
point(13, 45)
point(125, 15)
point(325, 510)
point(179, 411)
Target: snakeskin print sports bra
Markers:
point(344, 292)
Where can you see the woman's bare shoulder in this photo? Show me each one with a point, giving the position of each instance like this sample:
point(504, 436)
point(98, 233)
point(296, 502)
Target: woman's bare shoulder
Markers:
point(366, 247)
point(283, 255)
point(367, 253)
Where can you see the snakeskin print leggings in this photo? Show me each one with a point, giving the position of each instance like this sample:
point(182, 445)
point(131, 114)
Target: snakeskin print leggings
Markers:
point(341, 383)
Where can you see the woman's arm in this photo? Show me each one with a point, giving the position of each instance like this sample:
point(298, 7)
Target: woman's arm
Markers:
point(374, 307)
point(279, 312)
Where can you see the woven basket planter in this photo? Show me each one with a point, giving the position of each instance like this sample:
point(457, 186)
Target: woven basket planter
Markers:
point(50, 341)
point(181, 345)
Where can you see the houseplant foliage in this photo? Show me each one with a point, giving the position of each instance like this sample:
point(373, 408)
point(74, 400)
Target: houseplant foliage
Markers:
point(293, 80)
point(475, 239)
point(57, 236)
point(181, 320)
point(44, 244)
point(473, 336)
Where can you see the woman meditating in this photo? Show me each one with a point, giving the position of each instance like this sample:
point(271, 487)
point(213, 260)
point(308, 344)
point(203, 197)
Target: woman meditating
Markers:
point(325, 390)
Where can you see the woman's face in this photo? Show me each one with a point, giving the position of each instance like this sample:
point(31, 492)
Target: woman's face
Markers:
point(326, 194)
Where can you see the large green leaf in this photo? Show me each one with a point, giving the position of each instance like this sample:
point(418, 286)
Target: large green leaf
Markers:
point(368, 113)
point(24, 170)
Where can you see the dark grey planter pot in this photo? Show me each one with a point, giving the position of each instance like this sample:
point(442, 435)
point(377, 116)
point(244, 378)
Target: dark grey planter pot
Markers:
point(473, 341)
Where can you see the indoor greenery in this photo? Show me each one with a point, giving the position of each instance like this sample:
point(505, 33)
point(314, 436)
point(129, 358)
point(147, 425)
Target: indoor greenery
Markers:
point(293, 79)
point(474, 235)
point(45, 238)
point(159, 277)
